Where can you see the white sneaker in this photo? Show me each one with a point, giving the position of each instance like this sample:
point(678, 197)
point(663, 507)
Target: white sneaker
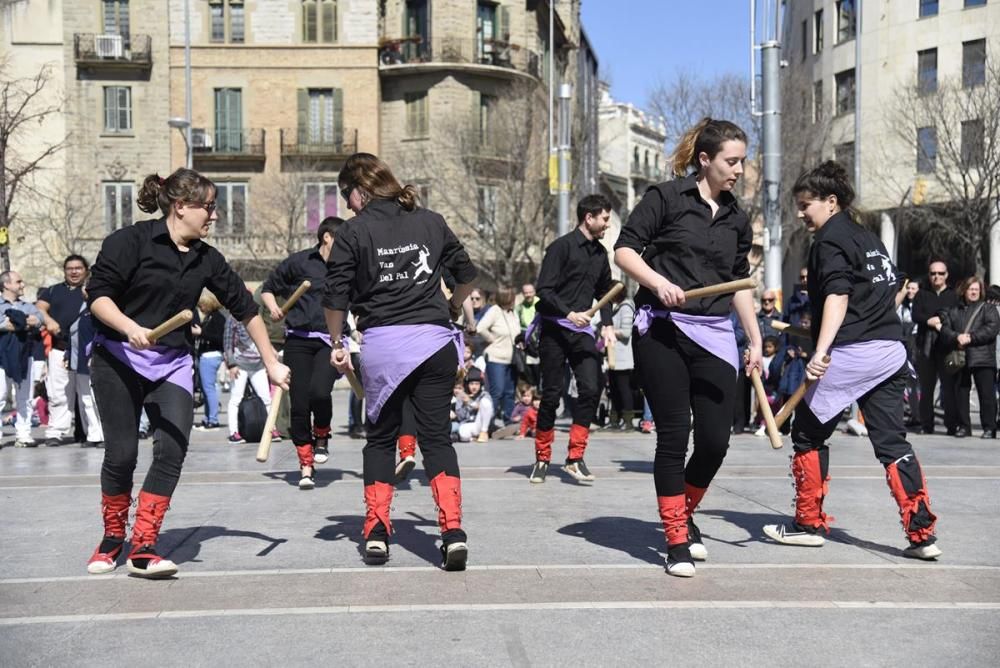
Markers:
point(925, 550)
point(454, 556)
point(579, 471)
point(792, 534)
point(376, 552)
point(405, 467)
point(306, 481)
point(695, 545)
point(679, 561)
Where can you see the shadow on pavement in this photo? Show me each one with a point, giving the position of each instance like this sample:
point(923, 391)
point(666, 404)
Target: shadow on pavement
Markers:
point(184, 544)
point(322, 477)
point(406, 534)
point(636, 538)
point(634, 466)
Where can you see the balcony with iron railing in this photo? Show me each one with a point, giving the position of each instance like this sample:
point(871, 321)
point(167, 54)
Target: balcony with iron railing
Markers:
point(233, 145)
point(306, 144)
point(113, 50)
point(403, 56)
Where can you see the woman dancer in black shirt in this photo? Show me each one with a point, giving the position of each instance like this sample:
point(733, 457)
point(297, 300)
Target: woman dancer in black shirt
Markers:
point(145, 274)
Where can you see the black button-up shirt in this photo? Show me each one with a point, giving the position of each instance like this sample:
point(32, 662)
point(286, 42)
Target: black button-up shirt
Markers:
point(673, 229)
point(847, 259)
point(575, 272)
point(306, 265)
point(151, 280)
point(926, 305)
point(387, 262)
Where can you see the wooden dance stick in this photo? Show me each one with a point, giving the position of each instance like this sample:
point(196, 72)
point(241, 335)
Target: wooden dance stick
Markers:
point(352, 380)
point(605, 300)
point(611, 357)
point(791, 330)
point(765, 409)
point(161, 330)
point(299, 291)
point(793, 401)
point(721, 288)
point(264, 449)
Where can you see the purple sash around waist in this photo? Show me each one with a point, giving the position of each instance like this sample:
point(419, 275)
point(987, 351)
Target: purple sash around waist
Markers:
point(855, 369)
point(562, 322)
point(389, 354)
point(309, 334)
point(174, 365)
point(714, 333)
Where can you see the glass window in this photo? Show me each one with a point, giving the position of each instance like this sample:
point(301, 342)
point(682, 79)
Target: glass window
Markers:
point(487, 207)
point(321, 201)
point(818, 31)
point(320, 115)
point(975, 3)
point(116, 17)
point(928, 7)
point(117, 205)
point(817, 102)
point(237, 23)
point(926, 150)
point(319, 21)
point(217, 12)
point(487, 104)
point(972, 143)
point(846, 20)
point(805, 39)
point(417, 124)
point(231, 207)
point(973, 63)
point(117, 109)
point(845, 91)
point(927, 71)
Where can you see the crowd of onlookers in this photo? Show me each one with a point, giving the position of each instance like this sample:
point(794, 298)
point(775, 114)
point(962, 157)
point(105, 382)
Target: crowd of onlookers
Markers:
point(951, 335)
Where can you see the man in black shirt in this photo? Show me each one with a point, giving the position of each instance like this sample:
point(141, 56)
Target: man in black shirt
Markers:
point(575, 271)
point(927, 307)
point(61, 305)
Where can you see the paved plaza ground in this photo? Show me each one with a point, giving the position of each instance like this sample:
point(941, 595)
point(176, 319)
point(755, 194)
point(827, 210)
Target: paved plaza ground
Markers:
point(559, 574)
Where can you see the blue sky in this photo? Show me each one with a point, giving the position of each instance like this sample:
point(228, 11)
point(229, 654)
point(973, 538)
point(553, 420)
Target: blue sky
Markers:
point(639, 42)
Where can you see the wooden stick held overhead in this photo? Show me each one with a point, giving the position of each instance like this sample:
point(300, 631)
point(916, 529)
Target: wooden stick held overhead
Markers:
point(605, 300)
point(299, 291)
point(264, 449)
point(161, 330)
point(793, 401)
point(721, 288)
point(765, 409)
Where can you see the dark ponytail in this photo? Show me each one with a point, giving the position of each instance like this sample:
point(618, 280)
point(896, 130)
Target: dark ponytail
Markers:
point(184, 185)
point(707, 136)
point(829, 178)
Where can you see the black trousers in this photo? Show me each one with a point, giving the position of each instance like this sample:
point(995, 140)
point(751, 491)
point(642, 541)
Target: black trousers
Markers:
point(428, 390)
point(680, 378)
point(556, 346)
point(120, 394)
point(883, 409)
point(929, 370)
point(310, 387)
point(984, 377)
point(621, 392)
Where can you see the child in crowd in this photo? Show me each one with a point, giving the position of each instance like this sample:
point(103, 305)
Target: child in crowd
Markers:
point(523, 417)
point(472, 409)
point(771, 364)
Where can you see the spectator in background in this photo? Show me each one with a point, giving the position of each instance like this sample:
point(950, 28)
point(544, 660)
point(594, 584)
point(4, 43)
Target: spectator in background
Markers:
point(17, 320)
point(81, 336)
point(927, 307)
point(526, 309)
point(245, 365)
point(798, 303)
point(620, 377)
point(499, 326)
point(213, 326)
point(769, 312)
point(60, 306)
point(905, 313)
point(972, 326)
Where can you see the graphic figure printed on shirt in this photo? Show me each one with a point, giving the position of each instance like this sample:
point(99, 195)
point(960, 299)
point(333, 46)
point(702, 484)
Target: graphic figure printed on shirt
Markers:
point(886, 272)
point(422, 264)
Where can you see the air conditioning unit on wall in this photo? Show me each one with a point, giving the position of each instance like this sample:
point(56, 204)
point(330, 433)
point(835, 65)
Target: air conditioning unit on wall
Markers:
point(200, 138)
point(108, 46)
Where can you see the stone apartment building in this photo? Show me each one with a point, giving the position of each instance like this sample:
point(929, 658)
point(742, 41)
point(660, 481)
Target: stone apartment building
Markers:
point(868, 66)
point(465, 116)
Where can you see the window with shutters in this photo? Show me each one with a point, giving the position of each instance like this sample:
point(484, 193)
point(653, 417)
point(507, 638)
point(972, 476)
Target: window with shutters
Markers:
point(321, 117)
point(117, 205)
point(228, 21)
point(927, 149)
point(972, 143)
point(231, 207)
point(117, 109)
point(321, 201)
point(493, 34)
point(973, 63)
point(319, 21)
point(417, 122)
point(228, 120)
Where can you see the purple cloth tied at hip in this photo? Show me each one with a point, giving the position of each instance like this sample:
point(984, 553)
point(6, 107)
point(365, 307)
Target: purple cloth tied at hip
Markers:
point(156, 363)
point(309, 334)
point(562, 322)
point(714, 333)
point(855, 369)
point(391, 353)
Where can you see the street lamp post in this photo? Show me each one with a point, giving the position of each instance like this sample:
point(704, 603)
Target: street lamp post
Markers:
point(184, 125)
